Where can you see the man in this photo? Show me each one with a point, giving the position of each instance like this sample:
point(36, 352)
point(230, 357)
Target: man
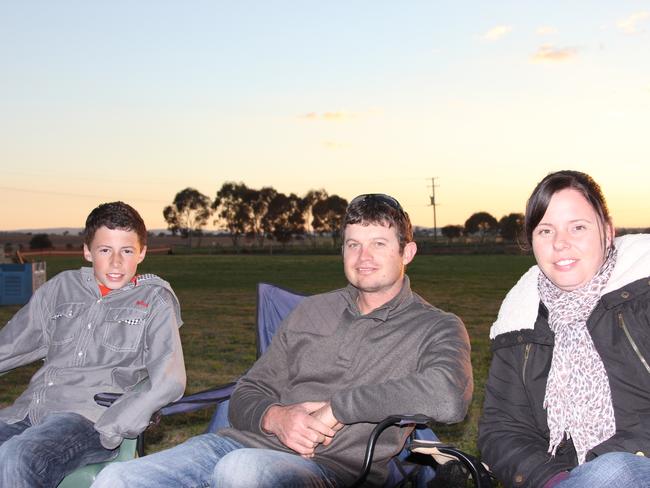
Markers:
point(341, 362)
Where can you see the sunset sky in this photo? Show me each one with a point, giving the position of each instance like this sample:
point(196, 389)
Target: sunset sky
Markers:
point(136, 100)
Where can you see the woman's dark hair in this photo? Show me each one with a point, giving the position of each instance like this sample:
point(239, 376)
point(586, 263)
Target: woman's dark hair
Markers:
point(115, 215)
point(378, 208)
point(561, 180)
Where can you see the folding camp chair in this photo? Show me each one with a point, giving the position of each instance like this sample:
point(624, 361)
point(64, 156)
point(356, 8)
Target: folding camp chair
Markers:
point(273, 305)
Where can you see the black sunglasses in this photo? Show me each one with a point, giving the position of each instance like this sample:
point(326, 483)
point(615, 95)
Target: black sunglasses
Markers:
point(378, 197)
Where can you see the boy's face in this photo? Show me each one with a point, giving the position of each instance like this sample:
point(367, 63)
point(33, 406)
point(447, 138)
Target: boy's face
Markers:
point(115, 255)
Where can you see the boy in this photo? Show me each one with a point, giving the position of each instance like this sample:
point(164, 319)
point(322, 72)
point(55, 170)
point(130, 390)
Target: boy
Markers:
point(99, 329)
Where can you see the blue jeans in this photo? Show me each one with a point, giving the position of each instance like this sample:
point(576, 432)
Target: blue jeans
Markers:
point(611, 470)
point(216, 461)
point(42, 455)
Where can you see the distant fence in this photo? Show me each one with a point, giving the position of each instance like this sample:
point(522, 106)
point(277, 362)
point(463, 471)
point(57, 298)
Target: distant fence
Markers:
point(54, 252)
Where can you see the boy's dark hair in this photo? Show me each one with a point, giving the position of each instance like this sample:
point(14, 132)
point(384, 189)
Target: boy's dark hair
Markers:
point(115, 215)
point(378, 208)
point(561, 180)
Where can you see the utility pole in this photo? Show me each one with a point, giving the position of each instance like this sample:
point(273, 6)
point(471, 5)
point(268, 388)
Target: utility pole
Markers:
point(433, 204)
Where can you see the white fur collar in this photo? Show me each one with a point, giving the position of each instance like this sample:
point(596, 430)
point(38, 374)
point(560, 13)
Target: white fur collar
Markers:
point(519, 308)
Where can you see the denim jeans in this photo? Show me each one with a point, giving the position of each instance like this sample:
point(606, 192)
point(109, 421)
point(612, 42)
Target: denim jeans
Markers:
point(42, 455)
point(611, 470)
point(210, 460)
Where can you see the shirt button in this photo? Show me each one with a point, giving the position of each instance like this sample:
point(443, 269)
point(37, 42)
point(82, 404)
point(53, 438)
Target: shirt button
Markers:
point(90, 325)
point(625, 294)
point(80, 354)
point(50, 383)
point(38, 400)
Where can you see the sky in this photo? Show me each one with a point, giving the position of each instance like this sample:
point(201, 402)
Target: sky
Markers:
point(137, 100)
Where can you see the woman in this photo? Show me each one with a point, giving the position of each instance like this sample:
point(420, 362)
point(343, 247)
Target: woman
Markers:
point(568, 394)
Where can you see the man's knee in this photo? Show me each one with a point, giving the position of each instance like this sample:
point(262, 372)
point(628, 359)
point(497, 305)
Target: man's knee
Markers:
point(235, 469)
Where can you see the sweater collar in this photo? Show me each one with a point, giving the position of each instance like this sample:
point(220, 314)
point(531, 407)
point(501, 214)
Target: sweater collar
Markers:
point(519, 308)
point(388, 309)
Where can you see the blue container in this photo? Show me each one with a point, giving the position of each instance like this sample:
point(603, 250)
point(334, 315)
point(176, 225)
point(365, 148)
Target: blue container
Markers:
point(18, 282)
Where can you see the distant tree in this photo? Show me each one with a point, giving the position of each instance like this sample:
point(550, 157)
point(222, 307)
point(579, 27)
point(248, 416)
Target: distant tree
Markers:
point(284, 219)
point(308, 201)
point(40, 241)
point(511, 226)
point(232, 203)
point(259, 201)
point(481, 224)
point(328, 216)
point(452, 231)
point(188, 213)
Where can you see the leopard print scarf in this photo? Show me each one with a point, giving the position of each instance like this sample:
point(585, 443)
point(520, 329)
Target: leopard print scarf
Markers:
point(578, 398)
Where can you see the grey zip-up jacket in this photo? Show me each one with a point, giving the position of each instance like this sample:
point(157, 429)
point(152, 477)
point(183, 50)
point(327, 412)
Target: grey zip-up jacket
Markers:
point(93, 344)
point(405, 357)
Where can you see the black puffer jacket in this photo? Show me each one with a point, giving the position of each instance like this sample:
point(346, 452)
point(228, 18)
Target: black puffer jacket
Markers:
point(513, 432)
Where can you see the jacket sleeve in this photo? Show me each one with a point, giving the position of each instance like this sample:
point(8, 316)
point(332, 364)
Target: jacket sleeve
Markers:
point(23, 339)
point(440, 388)
point(510, 440)
point(163, 358)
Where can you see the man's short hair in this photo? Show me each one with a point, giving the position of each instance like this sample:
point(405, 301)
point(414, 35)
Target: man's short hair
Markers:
point(115, 215)
point(378, 208)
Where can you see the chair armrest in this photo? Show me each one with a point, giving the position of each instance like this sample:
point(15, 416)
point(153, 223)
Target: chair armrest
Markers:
point(188, 403)
point(400, 420)
point(106, 399)
point(481, 476)
point(199, 400)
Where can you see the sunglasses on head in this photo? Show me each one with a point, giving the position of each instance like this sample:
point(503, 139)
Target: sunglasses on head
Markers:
point(378, 197)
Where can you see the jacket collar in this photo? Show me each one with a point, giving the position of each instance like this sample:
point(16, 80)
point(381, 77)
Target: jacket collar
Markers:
point(520, 306)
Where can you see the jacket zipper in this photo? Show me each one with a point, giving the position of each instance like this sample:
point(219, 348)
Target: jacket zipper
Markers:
point(621, 323)
point(523, 370)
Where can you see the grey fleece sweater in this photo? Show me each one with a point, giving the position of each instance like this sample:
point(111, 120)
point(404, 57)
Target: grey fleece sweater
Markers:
point(406, 357)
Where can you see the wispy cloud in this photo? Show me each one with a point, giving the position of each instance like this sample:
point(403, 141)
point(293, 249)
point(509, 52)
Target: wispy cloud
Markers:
point(333, 145)
point(545, 30)
point(630, 25)
point(551, 54)
point(336, 116)
point(496, 33)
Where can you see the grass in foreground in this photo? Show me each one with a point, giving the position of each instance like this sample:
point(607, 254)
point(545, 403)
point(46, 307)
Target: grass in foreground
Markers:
point(217, 295)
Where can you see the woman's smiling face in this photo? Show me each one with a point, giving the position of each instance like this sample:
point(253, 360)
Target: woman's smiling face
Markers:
point(568, 241)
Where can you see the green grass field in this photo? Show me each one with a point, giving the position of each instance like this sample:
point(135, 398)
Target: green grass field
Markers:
point(217, 295)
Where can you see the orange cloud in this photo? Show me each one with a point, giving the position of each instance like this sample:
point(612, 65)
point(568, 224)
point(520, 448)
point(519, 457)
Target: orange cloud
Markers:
point(335, 145)
point(329, 116)
point(630, 25)
point(552, 54)
point(497, 32)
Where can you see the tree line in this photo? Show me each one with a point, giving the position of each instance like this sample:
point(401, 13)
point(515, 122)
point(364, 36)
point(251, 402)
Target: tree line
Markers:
point(269, 215)
point(482, 225)
point(264, 214)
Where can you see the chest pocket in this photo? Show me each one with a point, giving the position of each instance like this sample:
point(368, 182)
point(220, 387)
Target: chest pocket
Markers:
point(124, 329)
point(64, 322)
